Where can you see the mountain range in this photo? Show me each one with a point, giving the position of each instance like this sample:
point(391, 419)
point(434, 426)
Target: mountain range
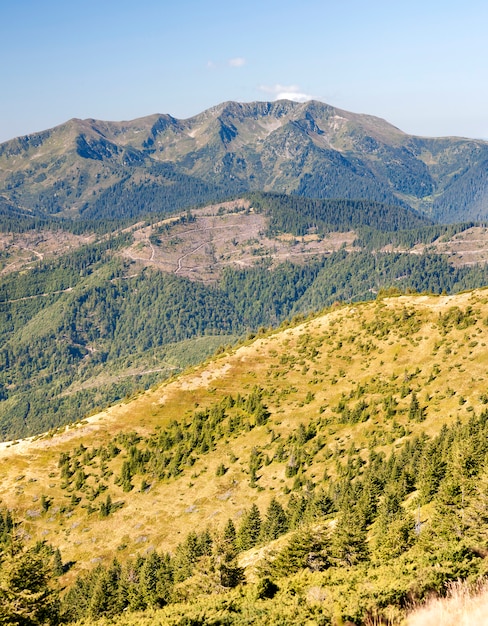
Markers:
point(95, 169)
point(242, 369)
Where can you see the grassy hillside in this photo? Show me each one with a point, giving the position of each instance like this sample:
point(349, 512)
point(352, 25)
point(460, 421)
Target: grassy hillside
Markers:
point(363, 430)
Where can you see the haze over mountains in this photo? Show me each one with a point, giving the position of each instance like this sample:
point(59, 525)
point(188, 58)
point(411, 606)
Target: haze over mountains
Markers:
point(95, 169)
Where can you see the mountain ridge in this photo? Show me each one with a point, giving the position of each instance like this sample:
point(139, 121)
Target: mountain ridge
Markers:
point(310, 149)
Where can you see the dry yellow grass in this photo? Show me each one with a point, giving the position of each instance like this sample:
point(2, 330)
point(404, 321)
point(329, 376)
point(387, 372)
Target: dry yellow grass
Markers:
point(366, 350)
point(464, 605)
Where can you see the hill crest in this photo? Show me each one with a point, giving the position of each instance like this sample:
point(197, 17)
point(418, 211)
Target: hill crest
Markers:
point(357, 353)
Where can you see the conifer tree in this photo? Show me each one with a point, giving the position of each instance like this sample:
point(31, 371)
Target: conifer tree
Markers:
point(27, 595)
point(6, 526)
point(319, 506)
point(394, 528)
point(297, 505)
point(189, 551)
point(431, 472)
point(156, 580)
point(303, 550)
point(75, 602)
point(126, 476)
point(275, 523)
point(476, 514)
point(249, 529)
point(416, 412)
point(130, 589)
point(205, 542)
point(99, 600)
point(105, 596)
point(226, 543)
point(348, 541)
point(58, 569)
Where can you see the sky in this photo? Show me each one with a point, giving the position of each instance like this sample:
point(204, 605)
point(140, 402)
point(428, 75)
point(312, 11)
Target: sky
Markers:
point(421, 65)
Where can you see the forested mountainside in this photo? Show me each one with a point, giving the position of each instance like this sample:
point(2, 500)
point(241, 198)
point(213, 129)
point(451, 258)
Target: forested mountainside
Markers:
point(330, 470)
point(92, 313)
point(98, 170)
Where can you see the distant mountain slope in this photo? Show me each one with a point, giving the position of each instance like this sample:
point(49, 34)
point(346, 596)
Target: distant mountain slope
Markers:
point(159, 163)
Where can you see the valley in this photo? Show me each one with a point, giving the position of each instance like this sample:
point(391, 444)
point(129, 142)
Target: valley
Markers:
point(180, 287)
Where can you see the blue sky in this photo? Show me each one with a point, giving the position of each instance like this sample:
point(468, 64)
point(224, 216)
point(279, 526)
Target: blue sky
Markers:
point(422, 65)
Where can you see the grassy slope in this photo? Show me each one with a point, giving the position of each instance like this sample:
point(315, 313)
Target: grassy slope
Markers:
point(304, 371)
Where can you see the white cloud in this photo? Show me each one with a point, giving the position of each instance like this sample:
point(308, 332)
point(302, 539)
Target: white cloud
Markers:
point(286, 92)
point(237, 62)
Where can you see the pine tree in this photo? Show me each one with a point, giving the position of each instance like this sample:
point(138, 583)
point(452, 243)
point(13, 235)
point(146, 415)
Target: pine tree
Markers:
point(205, 543)
point(230, 573)
point(249, 529)
point(255, 462)
point(225, 544)
point(99, 600)
point(186, 555)
point(319, 506)
point(297, 505)
point(394, 528)
point(225, 553)
point(348, 541)
point(106, 507)
point(303, 550)
point(275, 523)
point(156, 580)
point(58, 569)
point(129, 588)
point(431, 472)
point(27, 595)
point(126, 477)
point(476, 514)
point(6, 526)
point(76, 601)
point(448, 517)
point(105, 596)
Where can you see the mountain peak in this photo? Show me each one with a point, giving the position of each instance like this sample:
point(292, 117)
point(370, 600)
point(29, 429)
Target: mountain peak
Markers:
point(311, 149)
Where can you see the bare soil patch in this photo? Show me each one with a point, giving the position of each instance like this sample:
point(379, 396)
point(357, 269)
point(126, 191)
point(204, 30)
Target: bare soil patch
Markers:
point(230, 234)
point(20, 251)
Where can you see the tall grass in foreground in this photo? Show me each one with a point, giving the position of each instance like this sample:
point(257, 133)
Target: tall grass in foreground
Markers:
point(464, 605)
